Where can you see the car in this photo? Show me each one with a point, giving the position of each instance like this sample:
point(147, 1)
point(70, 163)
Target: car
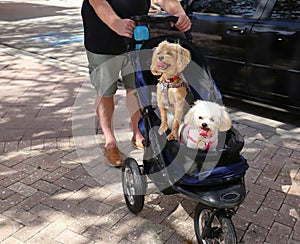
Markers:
point(252, 47)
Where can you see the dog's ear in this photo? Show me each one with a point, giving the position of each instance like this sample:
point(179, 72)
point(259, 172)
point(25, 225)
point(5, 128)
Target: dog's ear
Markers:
point(184, 57)
point(153, 66)
point(189, 117)
point(225, 123)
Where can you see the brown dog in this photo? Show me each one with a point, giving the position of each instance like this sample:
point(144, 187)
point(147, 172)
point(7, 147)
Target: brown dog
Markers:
point(169, 60)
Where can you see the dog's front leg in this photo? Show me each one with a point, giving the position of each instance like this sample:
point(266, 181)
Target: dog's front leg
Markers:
point(178, 114)
point(164, 121)
point(177, 97)
point(174, 132)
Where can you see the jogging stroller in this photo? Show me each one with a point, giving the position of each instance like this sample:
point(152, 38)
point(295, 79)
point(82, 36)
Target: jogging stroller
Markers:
point(215, 179)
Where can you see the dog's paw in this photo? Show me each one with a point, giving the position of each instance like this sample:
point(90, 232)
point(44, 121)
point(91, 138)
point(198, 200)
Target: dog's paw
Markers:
point(171, 136)
point(162, 129)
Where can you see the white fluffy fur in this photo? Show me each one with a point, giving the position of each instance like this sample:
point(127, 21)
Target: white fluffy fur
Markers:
point(204, 117)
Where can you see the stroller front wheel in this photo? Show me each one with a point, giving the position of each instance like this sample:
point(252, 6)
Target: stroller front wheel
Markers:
point(134, 185)
point(213, 228)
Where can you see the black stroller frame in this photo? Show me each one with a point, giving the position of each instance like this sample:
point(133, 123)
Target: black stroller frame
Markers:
point(214, 179)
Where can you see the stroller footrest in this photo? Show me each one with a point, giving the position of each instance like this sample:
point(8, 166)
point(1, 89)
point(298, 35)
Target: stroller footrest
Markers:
point(221, 197)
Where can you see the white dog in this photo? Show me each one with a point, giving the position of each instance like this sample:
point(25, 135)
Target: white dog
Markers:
point(202, 124)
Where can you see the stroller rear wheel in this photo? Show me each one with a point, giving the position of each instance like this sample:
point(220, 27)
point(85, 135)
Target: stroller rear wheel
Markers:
point(220, 230)
point(134, 185)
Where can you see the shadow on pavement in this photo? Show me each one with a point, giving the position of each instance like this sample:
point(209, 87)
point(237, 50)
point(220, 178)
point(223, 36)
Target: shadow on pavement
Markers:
point(20, 11)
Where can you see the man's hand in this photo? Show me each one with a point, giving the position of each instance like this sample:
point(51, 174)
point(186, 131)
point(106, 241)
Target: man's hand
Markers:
point(123, 27)
point(173, 7)
point(183, 23)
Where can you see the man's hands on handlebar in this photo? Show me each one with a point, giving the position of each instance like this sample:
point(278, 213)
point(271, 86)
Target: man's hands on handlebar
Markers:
point(183, 23)
point(124, 27)
point(173, 7)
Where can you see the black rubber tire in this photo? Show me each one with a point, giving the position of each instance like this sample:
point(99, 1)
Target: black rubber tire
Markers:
point(134, 186)
point(222, 227)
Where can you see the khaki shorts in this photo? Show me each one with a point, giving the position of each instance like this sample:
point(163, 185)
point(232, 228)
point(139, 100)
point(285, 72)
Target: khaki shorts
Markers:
point(106, 70)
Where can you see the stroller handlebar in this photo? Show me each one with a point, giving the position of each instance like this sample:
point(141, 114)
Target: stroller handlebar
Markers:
point(153, 19)
point(159, 19)
point(145, 20)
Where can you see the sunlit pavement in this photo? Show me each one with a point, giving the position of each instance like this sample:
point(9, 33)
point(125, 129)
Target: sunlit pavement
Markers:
point(54, 184)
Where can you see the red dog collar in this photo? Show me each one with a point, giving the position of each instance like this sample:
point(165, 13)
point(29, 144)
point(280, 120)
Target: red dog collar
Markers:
point(170, 83)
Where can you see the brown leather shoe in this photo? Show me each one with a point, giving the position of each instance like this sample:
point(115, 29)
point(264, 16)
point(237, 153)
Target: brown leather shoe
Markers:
point(112, 157)
point(137, 145)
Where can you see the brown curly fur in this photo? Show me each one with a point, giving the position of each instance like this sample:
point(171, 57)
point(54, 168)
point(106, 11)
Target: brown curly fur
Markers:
point(169, 60)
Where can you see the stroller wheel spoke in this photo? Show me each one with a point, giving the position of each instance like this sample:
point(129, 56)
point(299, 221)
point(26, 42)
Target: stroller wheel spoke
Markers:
point(129, 185)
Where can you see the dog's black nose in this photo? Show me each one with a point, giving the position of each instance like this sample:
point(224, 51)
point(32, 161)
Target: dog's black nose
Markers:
point(160, 58)
point(204, 125)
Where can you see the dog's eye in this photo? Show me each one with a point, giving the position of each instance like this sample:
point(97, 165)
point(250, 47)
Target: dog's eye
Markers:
point(169, 53)
point(212, 119)
point(200, 117)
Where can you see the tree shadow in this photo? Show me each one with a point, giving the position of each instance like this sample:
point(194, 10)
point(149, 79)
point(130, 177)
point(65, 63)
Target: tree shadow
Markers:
point(59, 189)
point(48, 195)
point(12, 11)
point(38, 100)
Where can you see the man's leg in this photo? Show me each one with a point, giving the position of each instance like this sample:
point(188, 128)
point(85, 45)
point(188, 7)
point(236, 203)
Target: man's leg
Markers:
point(104, 76)
point(134, 111)
point(105, 110)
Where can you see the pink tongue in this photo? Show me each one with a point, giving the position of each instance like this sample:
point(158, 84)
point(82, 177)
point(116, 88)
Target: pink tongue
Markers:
point(204, 132)
point(161, 65)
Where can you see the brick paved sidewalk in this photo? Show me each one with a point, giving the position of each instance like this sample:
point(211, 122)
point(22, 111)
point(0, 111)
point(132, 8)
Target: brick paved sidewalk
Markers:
point(49, 194)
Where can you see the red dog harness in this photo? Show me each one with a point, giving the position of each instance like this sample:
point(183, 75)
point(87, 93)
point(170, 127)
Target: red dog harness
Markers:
point(166, 84)
point(170, 83)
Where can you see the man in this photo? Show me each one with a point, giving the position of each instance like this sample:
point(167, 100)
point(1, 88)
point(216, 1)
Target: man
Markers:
point(106, 23)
